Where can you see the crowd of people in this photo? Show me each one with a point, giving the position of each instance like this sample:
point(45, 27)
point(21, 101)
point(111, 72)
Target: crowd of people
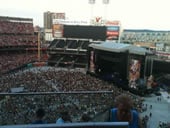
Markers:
point(18, 40)
point(17, 32)
point(11, 61)
point(50, 94)
point(22, 107)
point(7, 27)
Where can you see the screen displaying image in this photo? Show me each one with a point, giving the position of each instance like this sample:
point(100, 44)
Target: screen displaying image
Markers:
point(92, 65)
point(134, 72)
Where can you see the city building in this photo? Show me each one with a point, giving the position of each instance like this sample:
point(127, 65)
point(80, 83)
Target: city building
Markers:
point(47, 20)
point(48, 24)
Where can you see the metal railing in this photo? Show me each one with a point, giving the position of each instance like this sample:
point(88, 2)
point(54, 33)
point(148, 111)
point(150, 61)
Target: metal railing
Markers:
point(73, 125)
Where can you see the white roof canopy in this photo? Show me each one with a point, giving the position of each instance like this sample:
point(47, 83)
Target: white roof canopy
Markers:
point(120, 47)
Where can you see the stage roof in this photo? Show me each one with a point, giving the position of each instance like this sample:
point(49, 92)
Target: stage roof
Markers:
point(120, 47)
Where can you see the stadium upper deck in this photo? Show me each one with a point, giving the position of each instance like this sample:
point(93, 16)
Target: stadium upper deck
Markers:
point(17, 32)
point(17, 43)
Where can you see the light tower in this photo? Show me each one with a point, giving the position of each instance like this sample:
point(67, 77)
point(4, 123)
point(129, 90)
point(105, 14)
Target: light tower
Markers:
point(92, 2)
point(105, 2)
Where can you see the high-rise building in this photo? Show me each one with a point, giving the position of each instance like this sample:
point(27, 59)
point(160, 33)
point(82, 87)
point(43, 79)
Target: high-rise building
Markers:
point(47, 20)
point(50, 29)
point(49, 16)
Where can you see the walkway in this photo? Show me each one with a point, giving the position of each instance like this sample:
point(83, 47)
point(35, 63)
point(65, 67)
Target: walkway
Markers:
point(160, 109)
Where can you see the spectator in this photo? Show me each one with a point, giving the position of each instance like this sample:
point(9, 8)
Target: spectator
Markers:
point(124, 112)
point(40, 113)
point(85, 118)
point(64, 118)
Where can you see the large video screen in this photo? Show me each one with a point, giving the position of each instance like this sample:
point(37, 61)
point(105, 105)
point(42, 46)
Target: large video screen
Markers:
point(134, 72)
point(85, 32)
point(92, 65)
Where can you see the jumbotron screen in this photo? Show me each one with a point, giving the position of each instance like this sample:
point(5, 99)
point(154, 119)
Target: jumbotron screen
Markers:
point(85, 32)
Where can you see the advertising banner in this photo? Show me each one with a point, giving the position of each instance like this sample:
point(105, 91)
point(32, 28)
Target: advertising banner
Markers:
point(112, 33)
point(57, 30)
point(113, 28)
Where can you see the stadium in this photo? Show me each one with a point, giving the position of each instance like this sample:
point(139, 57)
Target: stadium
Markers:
point(67, 75)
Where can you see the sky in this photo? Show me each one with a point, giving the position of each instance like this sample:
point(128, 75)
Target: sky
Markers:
point(133, 14)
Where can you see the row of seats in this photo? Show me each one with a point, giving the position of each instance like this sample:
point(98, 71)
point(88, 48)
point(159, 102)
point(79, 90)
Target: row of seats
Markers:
point(68, 61)
point(72, 44)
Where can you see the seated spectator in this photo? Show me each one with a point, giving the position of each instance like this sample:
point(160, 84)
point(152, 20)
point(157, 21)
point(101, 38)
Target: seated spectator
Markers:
point(124, 112)
point(40, 113)
point(85, 118)
point(64, 118)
